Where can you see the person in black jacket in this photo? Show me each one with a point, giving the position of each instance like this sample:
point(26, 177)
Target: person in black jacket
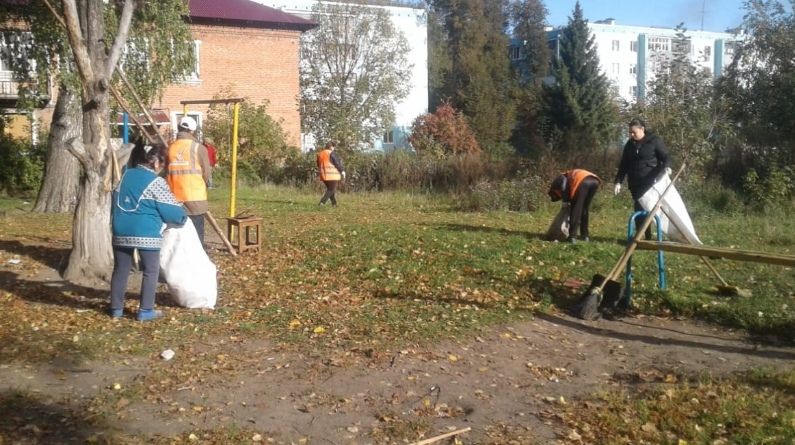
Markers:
point(644, 159)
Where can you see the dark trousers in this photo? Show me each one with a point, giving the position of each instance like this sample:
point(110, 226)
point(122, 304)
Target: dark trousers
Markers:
point(331, 189)
point(198, 222)
point(581, 207)
point(122, 264)
point(639, 208)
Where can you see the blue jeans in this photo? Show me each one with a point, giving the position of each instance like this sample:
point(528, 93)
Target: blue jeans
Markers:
point(122, 264)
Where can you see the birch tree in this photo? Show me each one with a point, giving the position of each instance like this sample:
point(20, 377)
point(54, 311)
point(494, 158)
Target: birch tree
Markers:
point(354, 70)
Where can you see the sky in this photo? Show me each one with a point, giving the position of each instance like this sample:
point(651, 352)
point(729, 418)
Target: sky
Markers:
point(718, 15)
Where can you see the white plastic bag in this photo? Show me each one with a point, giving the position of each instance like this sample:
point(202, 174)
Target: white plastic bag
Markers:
point(672, 207)
point(187, 269)
point(559, 229)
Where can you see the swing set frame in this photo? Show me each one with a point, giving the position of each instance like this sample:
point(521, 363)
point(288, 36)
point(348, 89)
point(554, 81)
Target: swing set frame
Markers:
point(235, 126)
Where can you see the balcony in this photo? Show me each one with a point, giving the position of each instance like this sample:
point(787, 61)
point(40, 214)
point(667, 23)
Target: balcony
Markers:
point(9, 91)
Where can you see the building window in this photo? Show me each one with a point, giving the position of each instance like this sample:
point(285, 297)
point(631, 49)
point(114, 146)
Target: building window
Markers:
point(633, 69)
point(5, 55)
point(633, 46)
point(389, 137)
point(707, 52)
point(729, 48)
point(659, 44)
point(515, 53)
point(194, 75)
point(197, 44)
point(633, 91)
point(616, 69)
point(616, 45)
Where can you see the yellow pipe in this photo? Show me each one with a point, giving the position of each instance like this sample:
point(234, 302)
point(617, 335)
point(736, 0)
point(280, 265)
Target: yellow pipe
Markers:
point(233, 192)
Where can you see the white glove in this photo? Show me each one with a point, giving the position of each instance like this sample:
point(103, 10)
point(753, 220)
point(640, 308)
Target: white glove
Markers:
point(668, 171)
point(617, 189)
point(343, 175)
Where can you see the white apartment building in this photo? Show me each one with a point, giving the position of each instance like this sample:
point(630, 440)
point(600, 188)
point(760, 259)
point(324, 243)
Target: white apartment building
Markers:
point(411, 21)
point(630, 55)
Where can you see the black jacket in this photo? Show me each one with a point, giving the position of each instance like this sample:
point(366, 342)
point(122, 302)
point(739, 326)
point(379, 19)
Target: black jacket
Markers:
point(642, 162)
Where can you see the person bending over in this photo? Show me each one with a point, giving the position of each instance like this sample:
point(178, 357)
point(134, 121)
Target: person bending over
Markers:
point(576, 187)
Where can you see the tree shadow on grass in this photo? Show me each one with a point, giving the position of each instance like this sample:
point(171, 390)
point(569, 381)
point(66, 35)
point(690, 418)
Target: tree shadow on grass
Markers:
point(528, 235)
point(609, 329)
point(61, 293)
point(28, 419)
point(52, 257)
point(544, 290)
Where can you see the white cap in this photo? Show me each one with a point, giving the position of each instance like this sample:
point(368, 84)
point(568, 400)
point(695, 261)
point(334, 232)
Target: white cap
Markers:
point(188, 123)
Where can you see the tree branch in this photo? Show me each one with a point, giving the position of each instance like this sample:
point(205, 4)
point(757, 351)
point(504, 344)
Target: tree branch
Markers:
point(121, 37)
point(55, 13)
point(78, 44)
point(78, 150)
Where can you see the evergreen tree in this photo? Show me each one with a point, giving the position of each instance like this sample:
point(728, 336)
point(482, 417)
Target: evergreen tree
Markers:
point(440, 61)
point(479, 81)
point(579, 104)
point(528, 19)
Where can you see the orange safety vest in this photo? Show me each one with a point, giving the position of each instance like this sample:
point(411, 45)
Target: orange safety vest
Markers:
point(184, 171)
point(328, 172)
point(576, 177)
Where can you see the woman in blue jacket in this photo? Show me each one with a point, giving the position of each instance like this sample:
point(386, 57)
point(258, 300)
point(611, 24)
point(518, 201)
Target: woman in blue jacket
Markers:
point(142, 203)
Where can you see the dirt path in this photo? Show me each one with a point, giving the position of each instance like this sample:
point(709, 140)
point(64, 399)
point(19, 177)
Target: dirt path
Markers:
point(505, 379)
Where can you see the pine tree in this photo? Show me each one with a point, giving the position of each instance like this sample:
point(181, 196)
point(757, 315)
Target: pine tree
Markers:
point(579, 104)
point(528, 18)
point(479, 80)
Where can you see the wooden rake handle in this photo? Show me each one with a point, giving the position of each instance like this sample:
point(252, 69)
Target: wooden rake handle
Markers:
point(630, 249)
point(217, 228)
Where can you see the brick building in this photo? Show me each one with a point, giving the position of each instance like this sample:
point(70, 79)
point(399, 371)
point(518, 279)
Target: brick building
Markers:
point(248, 47)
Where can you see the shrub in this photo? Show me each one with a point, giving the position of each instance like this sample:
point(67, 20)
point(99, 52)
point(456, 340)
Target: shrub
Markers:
point(775, 187)
point(21, 166)
point(442, 133)
point(710, 194)
point(263, 149)
point(521, 194)
point(405, 170)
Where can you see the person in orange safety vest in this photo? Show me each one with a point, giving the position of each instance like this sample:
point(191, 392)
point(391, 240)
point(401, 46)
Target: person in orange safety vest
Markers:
point(188, 173)
point(331, 172)
point(576, 187)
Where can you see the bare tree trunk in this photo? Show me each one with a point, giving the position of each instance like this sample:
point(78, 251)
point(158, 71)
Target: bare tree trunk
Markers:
point(92, 256)
point(58, 193)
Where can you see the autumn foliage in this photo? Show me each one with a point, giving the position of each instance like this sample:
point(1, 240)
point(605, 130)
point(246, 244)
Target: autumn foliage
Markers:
point(442, 133)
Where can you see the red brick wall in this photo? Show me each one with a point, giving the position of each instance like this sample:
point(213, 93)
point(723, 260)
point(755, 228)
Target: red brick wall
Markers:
point(257, 63)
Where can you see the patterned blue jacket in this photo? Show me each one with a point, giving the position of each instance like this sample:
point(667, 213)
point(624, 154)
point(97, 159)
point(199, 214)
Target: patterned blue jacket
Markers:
point(142, 202)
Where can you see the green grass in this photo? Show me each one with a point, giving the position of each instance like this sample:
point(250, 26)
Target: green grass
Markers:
point(388, 269)
point(754, 408)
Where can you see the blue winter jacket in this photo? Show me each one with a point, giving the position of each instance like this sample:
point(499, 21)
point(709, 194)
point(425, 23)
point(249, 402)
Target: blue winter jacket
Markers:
point(142, 202)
